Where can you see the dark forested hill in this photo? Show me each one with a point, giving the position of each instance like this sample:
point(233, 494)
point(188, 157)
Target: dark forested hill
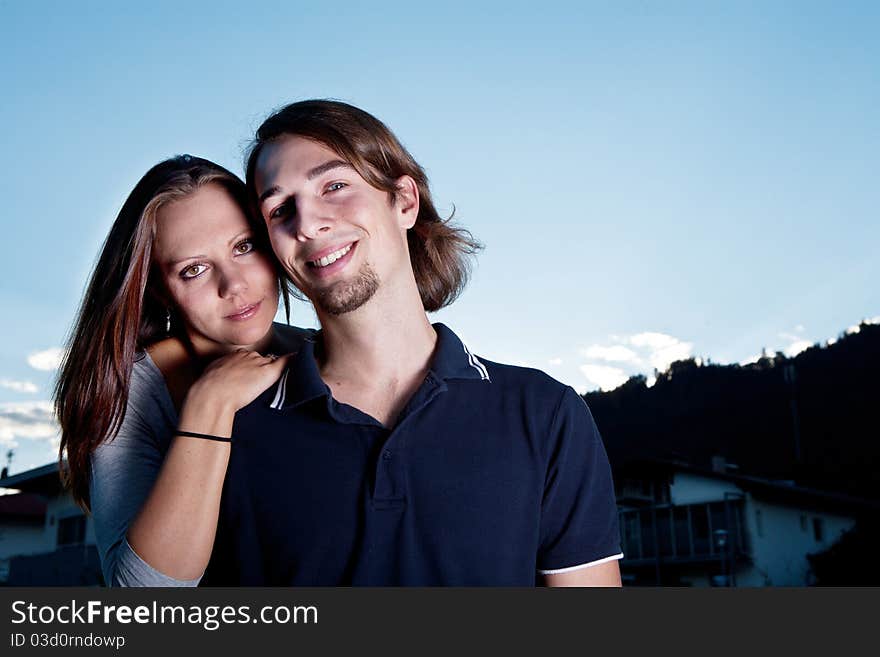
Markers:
point(812, 418)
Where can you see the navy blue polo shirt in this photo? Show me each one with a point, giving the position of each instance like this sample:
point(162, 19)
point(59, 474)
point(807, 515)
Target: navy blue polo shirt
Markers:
point(492, 475)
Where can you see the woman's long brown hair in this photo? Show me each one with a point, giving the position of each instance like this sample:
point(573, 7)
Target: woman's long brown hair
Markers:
point(121, 314)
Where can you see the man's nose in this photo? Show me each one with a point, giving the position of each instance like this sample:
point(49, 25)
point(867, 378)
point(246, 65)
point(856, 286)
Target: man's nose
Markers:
point(313, 218)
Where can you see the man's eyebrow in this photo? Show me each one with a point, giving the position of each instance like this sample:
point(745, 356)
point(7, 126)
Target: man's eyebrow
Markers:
point(327, 166)
point(311, 175)
point(274, 189)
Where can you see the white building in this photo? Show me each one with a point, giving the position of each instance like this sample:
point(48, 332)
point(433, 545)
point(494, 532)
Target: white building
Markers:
point(55, 544)
point(687, 526)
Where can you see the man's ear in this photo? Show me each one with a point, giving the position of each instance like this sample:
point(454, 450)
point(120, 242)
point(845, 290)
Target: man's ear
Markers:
point(407, 202)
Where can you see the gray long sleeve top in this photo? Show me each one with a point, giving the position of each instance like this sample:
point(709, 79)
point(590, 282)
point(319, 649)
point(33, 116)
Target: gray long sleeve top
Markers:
point(123, 473)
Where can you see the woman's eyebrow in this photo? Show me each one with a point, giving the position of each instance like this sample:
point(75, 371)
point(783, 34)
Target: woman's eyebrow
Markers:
point(177, 261)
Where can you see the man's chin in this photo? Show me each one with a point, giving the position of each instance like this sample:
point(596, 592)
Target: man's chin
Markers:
point(347, 296)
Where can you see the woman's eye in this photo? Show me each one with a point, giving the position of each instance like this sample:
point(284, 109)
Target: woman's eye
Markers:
point(332, 187)
point(193, 271)
point(244, 247)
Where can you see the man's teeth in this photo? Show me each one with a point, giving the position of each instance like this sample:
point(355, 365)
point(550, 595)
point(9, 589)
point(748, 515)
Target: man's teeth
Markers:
point(333, 257)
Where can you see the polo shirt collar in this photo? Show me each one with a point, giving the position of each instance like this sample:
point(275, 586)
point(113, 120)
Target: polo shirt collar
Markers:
point(302, 382)
point(453, 360)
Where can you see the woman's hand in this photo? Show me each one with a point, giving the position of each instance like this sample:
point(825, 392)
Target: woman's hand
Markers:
point(235, 380)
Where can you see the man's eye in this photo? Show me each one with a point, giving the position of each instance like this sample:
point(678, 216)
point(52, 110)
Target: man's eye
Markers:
point(193, 271)
point(279, 212)
point(245, 246)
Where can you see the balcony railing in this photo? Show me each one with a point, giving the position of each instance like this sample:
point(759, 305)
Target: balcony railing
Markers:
point(684, 533)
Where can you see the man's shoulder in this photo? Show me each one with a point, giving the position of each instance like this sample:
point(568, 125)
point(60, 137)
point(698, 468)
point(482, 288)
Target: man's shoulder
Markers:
point(524, 378)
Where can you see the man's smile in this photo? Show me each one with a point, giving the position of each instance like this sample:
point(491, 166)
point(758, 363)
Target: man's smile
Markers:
point(331, 260)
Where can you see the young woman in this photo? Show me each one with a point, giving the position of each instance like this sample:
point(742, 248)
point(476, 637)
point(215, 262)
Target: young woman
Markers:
point(175, 334)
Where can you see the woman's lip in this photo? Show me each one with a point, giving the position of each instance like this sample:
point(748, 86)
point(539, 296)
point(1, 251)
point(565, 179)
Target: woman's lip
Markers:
point(246, 313)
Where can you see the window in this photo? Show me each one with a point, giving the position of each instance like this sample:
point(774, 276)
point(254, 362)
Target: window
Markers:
point(818, 530)
point(700, 528)
point(661, 492)
point(72, 530)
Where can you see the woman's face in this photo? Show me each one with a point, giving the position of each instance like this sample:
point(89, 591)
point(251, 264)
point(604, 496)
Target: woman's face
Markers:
point(224, 289)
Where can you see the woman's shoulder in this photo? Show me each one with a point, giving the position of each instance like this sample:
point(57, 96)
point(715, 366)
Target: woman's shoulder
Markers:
point(171, 362)
point(150, 375)
point(289, 339)
point(149, 410)
point(166, 354)
point(145, 373)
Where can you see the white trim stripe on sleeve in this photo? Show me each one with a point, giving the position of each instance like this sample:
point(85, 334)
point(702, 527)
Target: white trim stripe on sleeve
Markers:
point(557, 571)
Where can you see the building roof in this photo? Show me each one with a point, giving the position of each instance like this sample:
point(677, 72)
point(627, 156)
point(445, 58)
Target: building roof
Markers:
point(783, 491)
point(22, 506)
point(44, 480)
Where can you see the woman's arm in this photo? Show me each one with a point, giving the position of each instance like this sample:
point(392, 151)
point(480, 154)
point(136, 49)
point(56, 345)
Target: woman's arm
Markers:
point(169, 541)
point(174, 531)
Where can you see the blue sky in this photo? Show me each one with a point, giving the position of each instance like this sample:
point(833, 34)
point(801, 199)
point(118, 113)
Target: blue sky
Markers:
point(651, 180)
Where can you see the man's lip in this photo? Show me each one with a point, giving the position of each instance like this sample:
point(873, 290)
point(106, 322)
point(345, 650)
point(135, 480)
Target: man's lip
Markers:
point(317, 255)
point(243, 311)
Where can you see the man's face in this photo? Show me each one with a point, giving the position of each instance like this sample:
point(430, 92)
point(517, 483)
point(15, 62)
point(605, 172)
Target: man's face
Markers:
point(338, 237)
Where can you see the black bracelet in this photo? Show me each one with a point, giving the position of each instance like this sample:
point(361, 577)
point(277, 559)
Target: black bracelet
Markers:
point(193, 434)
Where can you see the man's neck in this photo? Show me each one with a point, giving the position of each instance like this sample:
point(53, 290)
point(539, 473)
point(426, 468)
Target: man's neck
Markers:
point(374, 358)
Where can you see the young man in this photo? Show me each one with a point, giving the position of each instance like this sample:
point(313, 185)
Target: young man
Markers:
point(388, 453)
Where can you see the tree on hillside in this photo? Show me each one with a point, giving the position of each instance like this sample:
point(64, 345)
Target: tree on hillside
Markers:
point(852, 560)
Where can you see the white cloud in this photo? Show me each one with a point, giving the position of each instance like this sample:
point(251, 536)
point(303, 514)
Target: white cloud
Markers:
point(555, 361)
point(639, 353)
point(614, 354)
point(33, 419)
point(652, 340)
point(797, 347)
point(664, 349)
point(18, 386)
point(796, 342)
point(873, 320)
point(604, 376)
point(46, 360)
